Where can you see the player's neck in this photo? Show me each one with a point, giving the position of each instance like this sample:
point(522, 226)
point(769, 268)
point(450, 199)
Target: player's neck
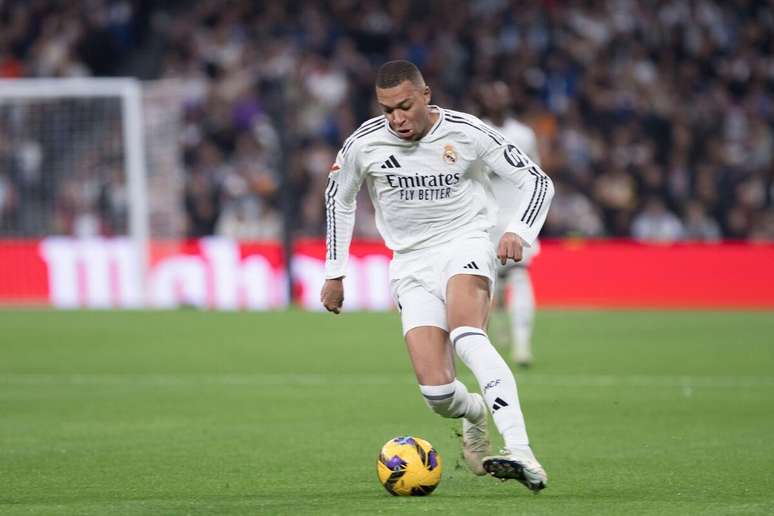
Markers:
point(432, 118)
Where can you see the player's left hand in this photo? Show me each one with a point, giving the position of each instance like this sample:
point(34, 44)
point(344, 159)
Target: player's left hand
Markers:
point(332, 294)
point(511, 247)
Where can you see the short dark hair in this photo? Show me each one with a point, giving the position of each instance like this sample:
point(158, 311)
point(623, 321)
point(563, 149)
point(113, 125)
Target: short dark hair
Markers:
point(392, 73)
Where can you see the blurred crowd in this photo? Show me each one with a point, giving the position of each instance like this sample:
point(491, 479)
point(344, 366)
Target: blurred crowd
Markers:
point(654, 118)
point(61, 161)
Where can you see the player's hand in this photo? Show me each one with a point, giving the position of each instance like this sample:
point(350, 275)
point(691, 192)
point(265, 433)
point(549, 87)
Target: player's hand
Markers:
point(511, 247)
point(332, 294)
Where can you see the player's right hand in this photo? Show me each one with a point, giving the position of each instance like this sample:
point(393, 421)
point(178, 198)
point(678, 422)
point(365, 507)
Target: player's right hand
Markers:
point(332, 294)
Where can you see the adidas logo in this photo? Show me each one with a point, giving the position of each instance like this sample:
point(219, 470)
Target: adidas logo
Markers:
point(471, 265)
point(391, 162)
point(498, 404)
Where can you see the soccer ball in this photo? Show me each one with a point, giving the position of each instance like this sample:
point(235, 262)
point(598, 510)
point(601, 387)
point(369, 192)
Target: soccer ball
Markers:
point(409, 466)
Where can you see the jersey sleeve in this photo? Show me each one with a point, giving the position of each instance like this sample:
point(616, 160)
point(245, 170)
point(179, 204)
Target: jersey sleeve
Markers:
point(533, 189)
point(344, 181)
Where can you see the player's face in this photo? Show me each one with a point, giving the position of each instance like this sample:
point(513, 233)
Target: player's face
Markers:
point(405, 107)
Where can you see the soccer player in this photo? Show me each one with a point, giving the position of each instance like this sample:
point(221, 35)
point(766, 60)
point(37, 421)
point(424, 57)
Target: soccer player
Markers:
point(495, 99)
point(424, 167)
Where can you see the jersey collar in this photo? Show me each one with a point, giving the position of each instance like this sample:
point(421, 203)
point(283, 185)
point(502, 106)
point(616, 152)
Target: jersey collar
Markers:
point(438, 122)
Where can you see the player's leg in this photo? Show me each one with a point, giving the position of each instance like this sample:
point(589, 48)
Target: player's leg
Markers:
point(467, 304)
point(433, 364)
point(499, 323)
point(430, 355)
point(522, 312)
point(424, 324)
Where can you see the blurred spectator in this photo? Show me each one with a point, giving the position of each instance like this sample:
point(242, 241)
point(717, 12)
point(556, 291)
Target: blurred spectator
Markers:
point(203, 194)
point(573, 214)
point(763, 227)
point(697, 225)
point(7, 202)
point(246, 219)
point(657, 224)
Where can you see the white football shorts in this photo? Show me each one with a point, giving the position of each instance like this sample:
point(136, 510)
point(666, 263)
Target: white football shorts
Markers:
point(418, 278)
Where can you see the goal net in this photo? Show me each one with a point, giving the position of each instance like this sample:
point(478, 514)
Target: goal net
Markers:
point(92, 159)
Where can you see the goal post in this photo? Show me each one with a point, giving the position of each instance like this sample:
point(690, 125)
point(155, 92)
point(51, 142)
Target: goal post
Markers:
point(25, 103)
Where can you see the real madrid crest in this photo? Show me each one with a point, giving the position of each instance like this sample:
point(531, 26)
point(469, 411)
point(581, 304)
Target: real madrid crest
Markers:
point(449, 156)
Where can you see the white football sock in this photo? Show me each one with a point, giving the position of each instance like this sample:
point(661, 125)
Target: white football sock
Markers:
point(496, 380)
point(522, 311)
point(451, 400)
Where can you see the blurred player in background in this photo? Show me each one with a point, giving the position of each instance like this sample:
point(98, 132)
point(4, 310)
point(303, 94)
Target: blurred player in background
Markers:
point(422, 167)
point(495, 99)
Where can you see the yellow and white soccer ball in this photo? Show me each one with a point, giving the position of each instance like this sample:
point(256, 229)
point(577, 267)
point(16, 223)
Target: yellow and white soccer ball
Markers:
point(409, 466)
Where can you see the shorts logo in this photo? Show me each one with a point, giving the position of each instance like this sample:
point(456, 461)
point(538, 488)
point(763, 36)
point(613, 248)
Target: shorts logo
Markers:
point(449, 156)
point(471, 265)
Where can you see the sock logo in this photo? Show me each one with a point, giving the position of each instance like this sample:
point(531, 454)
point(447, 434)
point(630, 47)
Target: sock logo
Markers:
point(391, 162)
point(493, 383)
point(498, 404)
point(471, 265)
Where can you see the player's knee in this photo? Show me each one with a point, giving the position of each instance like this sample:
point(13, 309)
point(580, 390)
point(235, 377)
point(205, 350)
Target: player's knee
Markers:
point(466, 339)
point(440, 399)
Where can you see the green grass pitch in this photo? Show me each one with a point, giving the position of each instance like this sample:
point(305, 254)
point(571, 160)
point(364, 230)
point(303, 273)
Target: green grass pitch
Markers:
point(284, 413)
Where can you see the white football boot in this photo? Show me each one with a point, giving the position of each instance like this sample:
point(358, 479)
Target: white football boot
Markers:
point(519, 466)
point(475, 439)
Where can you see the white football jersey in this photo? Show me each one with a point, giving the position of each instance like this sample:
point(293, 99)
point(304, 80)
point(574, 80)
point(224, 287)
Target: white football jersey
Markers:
point(431, 191)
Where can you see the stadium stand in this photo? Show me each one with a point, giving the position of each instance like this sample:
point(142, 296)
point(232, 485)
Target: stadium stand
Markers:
point(655, 118)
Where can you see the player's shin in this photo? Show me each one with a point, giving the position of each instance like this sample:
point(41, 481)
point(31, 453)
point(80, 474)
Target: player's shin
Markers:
point(497, 383)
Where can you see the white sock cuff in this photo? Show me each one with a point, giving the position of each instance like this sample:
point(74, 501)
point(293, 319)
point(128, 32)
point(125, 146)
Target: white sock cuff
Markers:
point(438, 392)
point(465, 331)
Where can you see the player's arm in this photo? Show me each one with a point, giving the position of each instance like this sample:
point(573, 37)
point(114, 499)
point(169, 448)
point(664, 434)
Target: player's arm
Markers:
point(344, 181)
point(532, 192)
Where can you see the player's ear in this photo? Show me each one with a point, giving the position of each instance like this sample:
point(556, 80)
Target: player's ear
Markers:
point(427, 94)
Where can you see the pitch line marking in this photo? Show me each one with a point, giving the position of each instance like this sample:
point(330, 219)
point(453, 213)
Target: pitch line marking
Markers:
point(686, 383)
